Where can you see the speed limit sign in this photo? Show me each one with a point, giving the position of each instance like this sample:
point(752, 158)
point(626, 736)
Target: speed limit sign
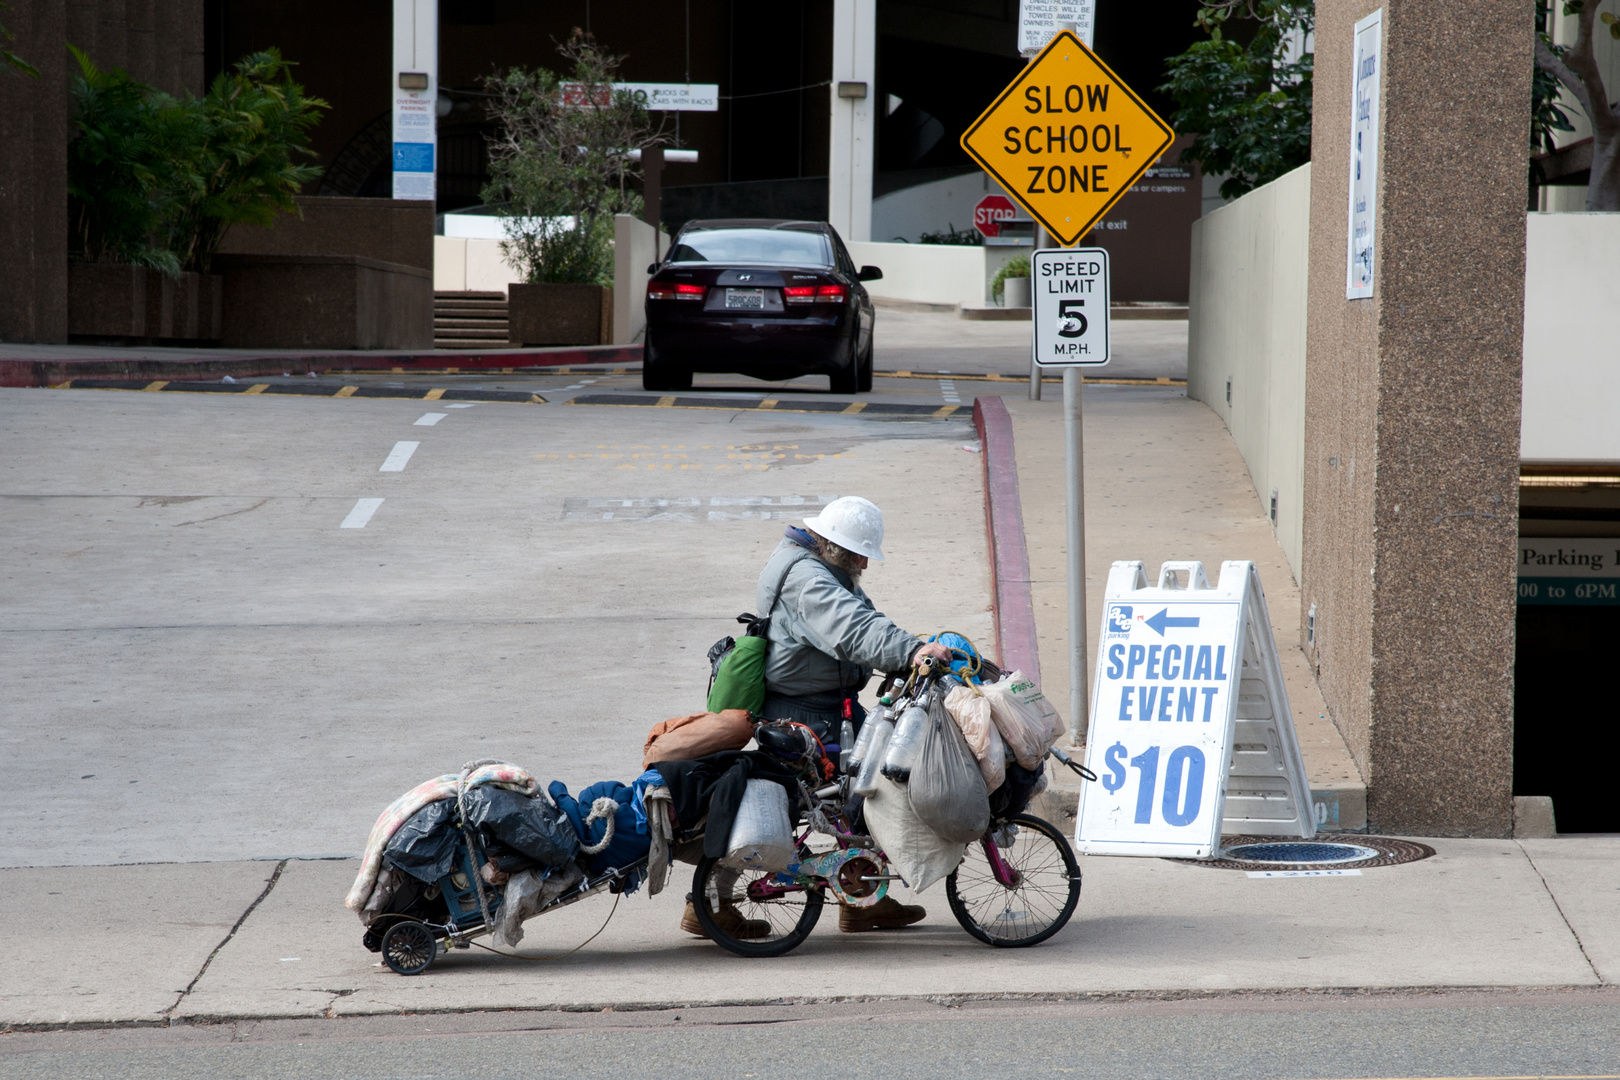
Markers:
point(1069, 287)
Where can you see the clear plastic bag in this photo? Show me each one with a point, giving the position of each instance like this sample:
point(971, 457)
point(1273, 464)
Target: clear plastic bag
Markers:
point(762, 833)
point(1027, 720)
point(947, 789)
point(971, 711)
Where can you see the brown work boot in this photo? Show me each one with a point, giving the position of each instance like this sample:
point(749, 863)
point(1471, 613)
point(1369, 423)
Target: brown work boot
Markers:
point(729, 919)
point(887, 914)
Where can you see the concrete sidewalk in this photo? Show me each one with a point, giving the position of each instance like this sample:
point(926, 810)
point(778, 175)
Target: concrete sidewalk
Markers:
point(155, 944)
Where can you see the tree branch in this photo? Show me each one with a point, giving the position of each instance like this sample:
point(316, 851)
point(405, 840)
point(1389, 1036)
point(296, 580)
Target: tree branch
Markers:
point(1553, 64)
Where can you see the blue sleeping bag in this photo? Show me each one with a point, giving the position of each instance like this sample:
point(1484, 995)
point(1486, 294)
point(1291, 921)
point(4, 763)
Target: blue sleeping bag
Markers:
point(630, 840)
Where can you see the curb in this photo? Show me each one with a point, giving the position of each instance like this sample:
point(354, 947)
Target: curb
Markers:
point(1013, 607)
point(26, 372)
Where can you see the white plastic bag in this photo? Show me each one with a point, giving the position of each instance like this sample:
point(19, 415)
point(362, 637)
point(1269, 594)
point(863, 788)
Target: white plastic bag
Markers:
point(761, 835)
point(971, 711)
point(916, 852)
point(1028, 721)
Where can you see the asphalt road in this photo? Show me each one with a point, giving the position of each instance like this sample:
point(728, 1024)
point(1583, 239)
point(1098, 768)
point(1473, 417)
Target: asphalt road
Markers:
point(1241, 1037)
point(237, 626)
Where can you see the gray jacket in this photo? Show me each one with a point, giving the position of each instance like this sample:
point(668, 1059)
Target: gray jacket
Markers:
point(825, 634)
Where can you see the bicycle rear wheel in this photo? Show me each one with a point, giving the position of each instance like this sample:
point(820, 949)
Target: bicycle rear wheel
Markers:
point(751, 925)
point(1035, 908)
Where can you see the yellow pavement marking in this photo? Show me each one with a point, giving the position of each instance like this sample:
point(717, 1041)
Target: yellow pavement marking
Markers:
point(347, 391)
point(536, 399)
point(855, 407)
point(62, 385)
point(257, 388)
point(768, 403)
point(945, 411)
point(457, 371)
point(153, 386)
point(665, 403)
point(433, 395)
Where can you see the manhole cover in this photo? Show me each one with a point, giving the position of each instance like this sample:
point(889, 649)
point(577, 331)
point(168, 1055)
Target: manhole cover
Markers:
point(1269, 853)
point(1303, 851)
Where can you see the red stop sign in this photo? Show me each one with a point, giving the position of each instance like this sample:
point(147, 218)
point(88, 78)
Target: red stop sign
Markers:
point(990, 212)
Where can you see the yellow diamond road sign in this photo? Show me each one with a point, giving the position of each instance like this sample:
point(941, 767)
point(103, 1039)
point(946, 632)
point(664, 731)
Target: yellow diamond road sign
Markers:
point(1067, 138)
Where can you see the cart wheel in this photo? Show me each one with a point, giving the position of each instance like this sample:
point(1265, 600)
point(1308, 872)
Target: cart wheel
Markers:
point(409, 947)
point(1033, 910)
point(744, 925)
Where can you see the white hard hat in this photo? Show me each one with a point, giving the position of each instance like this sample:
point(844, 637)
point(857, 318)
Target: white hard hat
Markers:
point(851, 522)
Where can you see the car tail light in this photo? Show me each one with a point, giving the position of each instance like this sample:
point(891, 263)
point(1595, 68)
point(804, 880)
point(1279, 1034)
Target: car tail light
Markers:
point(799, 294)
point(831, 294)
point(669, 290)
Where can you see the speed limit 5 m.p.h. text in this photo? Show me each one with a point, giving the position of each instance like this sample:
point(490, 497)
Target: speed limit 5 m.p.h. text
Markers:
point(1069, 289)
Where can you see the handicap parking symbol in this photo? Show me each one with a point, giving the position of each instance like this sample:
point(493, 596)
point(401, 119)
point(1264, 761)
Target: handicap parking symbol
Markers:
point(1119, 619)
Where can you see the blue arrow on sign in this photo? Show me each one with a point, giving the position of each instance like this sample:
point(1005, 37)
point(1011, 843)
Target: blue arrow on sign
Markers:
point(1164, 619)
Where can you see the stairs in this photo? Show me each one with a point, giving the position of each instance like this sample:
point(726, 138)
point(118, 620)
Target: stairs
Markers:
point(469, 320)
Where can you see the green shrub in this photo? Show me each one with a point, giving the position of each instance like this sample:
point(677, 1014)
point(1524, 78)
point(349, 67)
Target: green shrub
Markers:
point(157, 181)
point(1017, 266)
point(559, 169)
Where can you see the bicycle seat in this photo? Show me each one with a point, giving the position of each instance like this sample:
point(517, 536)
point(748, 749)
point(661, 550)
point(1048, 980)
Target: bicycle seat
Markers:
point(785, 742)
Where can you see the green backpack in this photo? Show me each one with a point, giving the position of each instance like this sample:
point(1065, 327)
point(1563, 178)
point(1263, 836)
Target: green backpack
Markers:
point(737, 668)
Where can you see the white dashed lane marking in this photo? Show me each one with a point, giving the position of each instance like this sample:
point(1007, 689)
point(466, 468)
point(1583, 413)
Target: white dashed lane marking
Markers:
point(459, 405)
point(947, 390)
point(429, 419)
point(363, 509)
point(398, 456)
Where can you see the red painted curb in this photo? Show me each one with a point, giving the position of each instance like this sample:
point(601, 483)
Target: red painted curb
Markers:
point(34, 372)
point(1014, 606)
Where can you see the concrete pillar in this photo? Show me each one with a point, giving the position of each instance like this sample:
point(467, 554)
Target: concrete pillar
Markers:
point(33, 176)
point(854, 101)
point(1412, 411)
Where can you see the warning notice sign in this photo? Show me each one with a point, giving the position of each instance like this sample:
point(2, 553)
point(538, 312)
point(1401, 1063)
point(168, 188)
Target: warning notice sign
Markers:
point(1067, 138)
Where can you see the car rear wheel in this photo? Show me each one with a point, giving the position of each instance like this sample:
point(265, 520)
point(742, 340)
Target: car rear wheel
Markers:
point(848, 381)
point(657, 374)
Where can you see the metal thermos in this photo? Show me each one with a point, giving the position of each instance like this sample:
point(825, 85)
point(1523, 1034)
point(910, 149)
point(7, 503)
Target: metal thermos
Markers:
point(882, 729)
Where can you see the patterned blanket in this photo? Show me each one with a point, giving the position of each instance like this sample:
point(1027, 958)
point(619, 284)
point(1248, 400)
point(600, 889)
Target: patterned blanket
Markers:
point(501, 774)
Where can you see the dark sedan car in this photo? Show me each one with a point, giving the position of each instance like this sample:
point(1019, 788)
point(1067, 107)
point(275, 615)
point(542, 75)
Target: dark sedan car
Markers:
point(771, 299)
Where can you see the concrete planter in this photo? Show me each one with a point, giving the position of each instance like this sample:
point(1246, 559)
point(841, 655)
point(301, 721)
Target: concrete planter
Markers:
point(560, 314)
point(116, 302)
point(325, 302)
point(1015, 292)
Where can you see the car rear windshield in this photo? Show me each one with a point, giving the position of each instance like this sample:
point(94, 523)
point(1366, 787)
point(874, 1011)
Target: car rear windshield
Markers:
point(771, 247)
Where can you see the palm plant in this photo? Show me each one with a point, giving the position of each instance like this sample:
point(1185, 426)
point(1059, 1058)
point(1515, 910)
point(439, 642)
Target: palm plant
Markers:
point(254, 124)
point(118, 167)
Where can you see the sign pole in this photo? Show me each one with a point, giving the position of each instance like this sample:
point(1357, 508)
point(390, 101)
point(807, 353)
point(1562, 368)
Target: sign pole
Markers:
point(1075, 492)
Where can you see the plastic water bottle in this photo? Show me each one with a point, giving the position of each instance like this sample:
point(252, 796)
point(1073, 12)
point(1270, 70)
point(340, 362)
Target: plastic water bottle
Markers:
point(846, 745)
point(905, 744)
point(864, 740)
point(882, 728)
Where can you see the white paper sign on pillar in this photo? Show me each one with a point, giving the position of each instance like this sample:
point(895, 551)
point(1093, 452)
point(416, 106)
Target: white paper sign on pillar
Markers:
point(1040, 20)
point(1366, 111)
point(1190, 731)
point(416, 97)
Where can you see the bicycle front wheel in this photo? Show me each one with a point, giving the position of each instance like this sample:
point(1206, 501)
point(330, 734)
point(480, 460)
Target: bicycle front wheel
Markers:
point(1036, 906)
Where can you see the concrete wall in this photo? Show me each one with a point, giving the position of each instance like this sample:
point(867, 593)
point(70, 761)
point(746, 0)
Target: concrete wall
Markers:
point(470, 265)
point(159, 42)
point(1571, 346)
point(636, 246)
point(933, 273)
point(1246, 332)
point(325, 302)
point(388, 230)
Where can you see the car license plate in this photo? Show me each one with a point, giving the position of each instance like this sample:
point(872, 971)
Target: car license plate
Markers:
point(745, 298)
